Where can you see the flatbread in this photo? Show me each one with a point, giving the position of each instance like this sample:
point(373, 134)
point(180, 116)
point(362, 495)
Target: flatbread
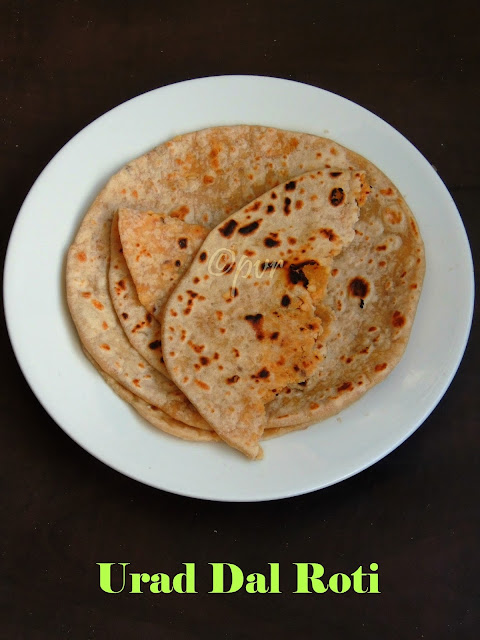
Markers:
point(139, 325)
point(162, 421)
point(142, 329)
point(156, 417)
point(158, 250)
point(242, 322)
point(373, 294)
point(203, 177)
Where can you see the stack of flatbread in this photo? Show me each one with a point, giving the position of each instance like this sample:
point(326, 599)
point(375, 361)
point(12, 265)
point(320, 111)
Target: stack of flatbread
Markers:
point(242, 282)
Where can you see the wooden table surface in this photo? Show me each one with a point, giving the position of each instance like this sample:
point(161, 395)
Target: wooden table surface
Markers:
point(415, 513)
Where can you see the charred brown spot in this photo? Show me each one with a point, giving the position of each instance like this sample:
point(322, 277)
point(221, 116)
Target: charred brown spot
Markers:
point(121, 285)
point(204, 360)
point(236, 352)
point(182, 243)
point(228, 228)
point(274, 335)
point(286, 206)
point(178, 263)
point(292, 241)
point(257, 324)
point(380, 367)
point(203, 256)
point(270, 208)
point(329, 234)
point(125, 316)
point(346, 386)
point(397, 319)
point(372, 329)
point(337, 196)
point(105, 346)
point(208, 179)
point(98, 305)
point(285, 301)
point(298, 204)
point(86, 294)
point(196, 280)
point(202, 385)
point(387, 192)
point(314, 405)
point(290, 186)
point(191, 293)
point(382, 263)
point(263, 373)
point(136, 382)
point(271, 242)
point(235, 292)
point(249, 228)
point(228, 267)
point(254, 207)
point(335, 174)
point(274, 196)
point(81, 256)
point(382, 247)
point(233, 379)
point(358, 287)
point(156, 344)
point(198, 348)
point(362, 303)
point(295, 272)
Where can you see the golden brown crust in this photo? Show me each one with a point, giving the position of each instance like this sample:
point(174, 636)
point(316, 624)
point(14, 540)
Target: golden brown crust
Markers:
point(242, 323)
point(202, 178)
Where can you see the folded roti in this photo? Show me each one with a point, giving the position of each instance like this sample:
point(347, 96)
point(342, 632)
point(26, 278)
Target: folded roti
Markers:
point(242, 324)
point(139, 325)
point(142, 329)
point(158, 249)
point(162, 421)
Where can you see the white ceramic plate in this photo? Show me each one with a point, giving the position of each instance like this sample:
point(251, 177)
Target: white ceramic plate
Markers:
point(76, 397)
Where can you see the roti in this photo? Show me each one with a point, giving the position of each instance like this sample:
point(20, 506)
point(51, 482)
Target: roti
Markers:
point(202, 178)
point(236, 332)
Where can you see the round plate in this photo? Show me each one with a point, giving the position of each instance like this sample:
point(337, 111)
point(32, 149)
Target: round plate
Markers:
point(75, 395)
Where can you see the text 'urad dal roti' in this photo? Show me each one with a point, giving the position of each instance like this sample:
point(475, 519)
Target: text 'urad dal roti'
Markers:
point(232, 339)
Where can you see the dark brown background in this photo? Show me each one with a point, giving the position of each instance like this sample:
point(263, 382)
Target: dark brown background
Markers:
point(415, 513)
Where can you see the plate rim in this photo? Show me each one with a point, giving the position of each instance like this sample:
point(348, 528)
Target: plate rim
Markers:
point(8, 288)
